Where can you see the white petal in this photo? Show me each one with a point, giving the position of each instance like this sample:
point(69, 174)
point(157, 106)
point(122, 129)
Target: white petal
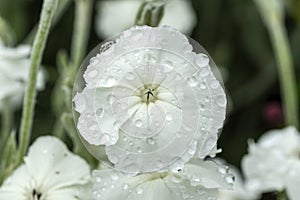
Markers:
point(47, 161)
point(16, 186)
point(293, 180)
point(210, 174)
point(116, 16)
point(264, 170)
point(112, 185)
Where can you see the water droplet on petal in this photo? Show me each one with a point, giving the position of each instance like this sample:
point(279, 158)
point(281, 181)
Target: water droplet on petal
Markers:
point(139, 190)
point(114, 177)
point(176, 179)
point(229, 179)
point(80, 103)
point(93, 73)
point(100, 112)
point(98, 179)
point(110, 98)
point(138, 123)
point(160, 164)
point(214, 84)
point(139, 149)
point(202, 60)
point(169, 116)
point(110, 81)
point(150, 141)
point(221, 100)
point(192, 81)
point(94, 61)
point(125, 186)
point(204, 72)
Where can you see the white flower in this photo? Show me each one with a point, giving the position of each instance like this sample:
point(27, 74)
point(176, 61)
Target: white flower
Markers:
point(50, 172)
point(14, 72)
point(199, 180)
point(152, 101)
point(239, 191)
point(116, 16)
point(273, 163)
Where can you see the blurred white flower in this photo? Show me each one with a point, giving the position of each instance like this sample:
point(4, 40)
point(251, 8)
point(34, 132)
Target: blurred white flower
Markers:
point(50, 172)
point(116, 16)
point(239, 191)
point(14, 72)
point(199, 180)
point(273, 163)
point(152, 101)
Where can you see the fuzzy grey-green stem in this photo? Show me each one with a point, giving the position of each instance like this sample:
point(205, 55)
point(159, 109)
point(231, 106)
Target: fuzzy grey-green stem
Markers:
point(81, 32)
point(48, 10)
point(286, 73)
point(6, 123)
point(272, 12)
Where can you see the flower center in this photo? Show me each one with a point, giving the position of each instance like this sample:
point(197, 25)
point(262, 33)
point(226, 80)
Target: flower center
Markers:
point(36, 195)
point(148, 93)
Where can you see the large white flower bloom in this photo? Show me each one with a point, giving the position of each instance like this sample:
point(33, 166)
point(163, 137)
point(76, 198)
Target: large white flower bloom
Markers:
point(151, 100)
point(14, 72)
point(273, 162)
point(116, 16)
point(199, 180)
point(50, 172)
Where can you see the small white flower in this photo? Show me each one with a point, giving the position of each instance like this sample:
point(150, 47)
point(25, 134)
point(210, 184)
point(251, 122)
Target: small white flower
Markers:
point(239, 191)
point(199, 180)
point(116, 16)
point(50, 172)
point(273, 162)
point(152, 101)
point(14, 72)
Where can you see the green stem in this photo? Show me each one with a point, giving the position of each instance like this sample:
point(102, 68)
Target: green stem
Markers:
point(6, 124)
point(286, 72)
point(62, 6)
point(48, 10)
point(282, 195)
point(81, 32)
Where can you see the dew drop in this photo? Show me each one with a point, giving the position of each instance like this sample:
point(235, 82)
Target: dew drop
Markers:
point(113, 158)
point(139, 190)
point(100, 112)
point(202, 86)
point(110, 98)
point(94, 61)
point(223, 170)
point(160, 164)
point(98, 179)
point(150, 141)
point(229, 179)
point(202, 60)
point(125, 186)
point(192, 81)
point(114, 177)
point(138, 123)
point(168, 66)
point(93, 73)
point(176, 179)
point(204, 72)
point(177, 165)
point(110, 81)
point(169, 116)
point(221, 100)
point(80, 103)
point(214, 84)
point(139, 149)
